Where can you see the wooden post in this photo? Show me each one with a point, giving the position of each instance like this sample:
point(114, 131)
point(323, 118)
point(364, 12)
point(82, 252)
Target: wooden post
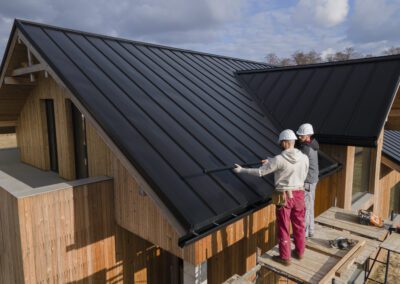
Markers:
point(30, 64)
point(345, 190)
point(194, 274)
point(376, 157)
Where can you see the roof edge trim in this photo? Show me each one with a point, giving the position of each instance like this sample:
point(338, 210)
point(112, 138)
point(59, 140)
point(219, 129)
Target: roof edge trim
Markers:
point(323, 64)
point(370, 142)
point(194, 236)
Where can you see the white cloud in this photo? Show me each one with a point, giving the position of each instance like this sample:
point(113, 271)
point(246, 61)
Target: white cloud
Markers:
point(325, 13)
point(239, 28)
point(375, 20)
point(326, 52)
point(173, 22)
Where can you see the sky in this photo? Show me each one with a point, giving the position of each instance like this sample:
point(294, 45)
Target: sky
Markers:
point(248, 29)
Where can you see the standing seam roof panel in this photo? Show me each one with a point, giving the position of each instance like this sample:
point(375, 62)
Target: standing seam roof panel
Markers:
point(173, 114)
point(391, 145)
point(343, 107)
point(105, 115)
point(168, 126)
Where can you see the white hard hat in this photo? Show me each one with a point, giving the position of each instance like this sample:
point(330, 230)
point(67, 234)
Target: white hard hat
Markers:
point(287, 134)
point(305, 129)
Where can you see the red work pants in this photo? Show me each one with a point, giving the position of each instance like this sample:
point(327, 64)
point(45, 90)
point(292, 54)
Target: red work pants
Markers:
point(292, 212)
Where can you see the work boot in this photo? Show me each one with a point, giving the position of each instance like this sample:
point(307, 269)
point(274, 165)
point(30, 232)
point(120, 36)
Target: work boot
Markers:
point(296, 255)
point(277, 258)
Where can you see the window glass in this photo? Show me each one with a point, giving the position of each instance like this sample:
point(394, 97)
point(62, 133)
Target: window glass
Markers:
point(395, 198)
point(362, 165)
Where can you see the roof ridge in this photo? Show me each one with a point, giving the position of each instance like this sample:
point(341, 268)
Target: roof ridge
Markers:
point(325, 64)
point(115, 38)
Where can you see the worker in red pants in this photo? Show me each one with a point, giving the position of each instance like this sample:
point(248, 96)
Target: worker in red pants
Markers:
point(290, 170)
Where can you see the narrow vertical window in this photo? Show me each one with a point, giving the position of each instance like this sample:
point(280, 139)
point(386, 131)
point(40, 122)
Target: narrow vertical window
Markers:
point(80, 146)
point(51, 134)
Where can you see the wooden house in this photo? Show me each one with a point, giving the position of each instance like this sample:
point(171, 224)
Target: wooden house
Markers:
point(112, 180)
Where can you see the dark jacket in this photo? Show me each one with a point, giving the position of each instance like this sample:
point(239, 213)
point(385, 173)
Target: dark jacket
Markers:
point(311, 150)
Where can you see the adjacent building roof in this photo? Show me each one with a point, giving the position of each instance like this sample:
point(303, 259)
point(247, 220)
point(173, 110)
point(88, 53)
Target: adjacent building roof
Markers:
point(174, 114)
point(391, 145)
point(346, 102)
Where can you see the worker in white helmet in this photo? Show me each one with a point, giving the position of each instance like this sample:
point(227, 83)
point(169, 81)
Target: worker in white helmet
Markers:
point(290, 170)
point(309, 146)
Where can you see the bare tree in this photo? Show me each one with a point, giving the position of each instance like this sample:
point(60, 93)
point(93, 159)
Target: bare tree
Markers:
point(286, 62)
point(300, 57)
point(346, 54)
point(392, 51)
point(272, 59)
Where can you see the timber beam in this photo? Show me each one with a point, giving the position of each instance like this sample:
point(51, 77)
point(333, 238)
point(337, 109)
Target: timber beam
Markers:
point(11, 123)
point(390, 163)
point(395, 112)
point(18, 81)
point(28, 70)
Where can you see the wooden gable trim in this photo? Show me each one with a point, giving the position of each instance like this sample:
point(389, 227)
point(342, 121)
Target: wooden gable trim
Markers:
point(132, 170)
point(8, 57)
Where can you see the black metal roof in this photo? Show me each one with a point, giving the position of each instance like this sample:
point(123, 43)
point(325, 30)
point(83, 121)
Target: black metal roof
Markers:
point(346, 102)
point(391, 145)
point(172, 113)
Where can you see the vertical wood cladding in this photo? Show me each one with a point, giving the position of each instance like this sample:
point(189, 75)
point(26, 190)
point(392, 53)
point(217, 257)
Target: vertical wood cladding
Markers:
point(32, 129)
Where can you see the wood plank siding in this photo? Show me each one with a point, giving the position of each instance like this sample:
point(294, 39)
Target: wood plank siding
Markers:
point(11, 269)
point(70, 235)
point(388, 179)
point(32, 129)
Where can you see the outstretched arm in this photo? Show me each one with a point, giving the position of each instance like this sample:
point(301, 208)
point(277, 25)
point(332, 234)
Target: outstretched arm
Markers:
point(254, 172)
point(266, 168)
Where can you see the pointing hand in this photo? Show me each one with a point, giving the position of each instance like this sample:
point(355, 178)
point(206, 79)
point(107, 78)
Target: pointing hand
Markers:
point(237, 168)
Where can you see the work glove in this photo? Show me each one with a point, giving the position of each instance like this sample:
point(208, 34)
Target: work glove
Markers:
point(237, 169)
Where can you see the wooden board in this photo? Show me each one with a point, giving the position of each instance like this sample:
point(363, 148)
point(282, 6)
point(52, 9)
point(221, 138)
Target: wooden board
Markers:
point(323, 234)
point(392, 243)
point(348, 220)
point(319, 265)
point(328, 277)
point(236, 279)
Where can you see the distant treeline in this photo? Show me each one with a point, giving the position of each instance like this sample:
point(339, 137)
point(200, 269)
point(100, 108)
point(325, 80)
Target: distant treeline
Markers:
point(302, 57)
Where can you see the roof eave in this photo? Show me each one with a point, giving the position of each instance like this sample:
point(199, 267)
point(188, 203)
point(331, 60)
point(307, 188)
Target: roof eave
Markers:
point(359, 141)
